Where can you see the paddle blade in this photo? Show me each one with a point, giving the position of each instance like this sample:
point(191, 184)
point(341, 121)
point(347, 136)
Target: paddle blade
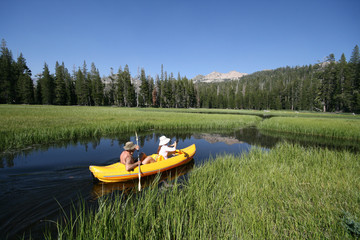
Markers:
point(139, 180)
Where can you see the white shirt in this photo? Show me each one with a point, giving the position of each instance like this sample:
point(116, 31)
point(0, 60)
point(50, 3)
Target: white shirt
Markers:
point(164, 150)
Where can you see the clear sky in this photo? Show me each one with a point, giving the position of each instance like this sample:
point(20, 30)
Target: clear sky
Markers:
point(187, 36)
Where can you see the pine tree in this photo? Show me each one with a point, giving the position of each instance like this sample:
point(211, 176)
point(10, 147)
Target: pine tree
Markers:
point(354, 68)
point(60, 86)
point(154, 95)
point(25, 85)
point(355, 56)
point(156, 92)
point(167, 93)
point(97, 86)
point(178, 92)
point(38, 94)
point(86, 87)
point(69, 86)
point(80, 88)
point(328, 80)
point(230, 97)
point(151, 89)
point(120, 87)
point(129, 90)
point(144, 94)
point(191, 94)
point(7, 81)
point(344, 92)
point(162, 73)
point(162, 93)
point(110, 89)
point(47, 86)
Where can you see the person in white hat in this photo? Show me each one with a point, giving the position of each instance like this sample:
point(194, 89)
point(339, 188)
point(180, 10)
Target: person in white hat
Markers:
point(127, 158)
point(164, 150)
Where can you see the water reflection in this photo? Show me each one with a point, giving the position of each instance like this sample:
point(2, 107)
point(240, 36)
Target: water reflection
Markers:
point(8, 157)
point(148, 140)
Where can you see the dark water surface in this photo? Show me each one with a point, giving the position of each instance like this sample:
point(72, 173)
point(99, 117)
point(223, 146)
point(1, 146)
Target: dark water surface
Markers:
point(37, 183)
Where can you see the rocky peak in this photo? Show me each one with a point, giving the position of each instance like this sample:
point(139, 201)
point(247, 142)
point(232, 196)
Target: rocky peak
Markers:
point(218, 77)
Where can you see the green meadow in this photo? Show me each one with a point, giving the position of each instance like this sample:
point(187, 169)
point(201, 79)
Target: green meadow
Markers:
point(24, 125)
point(338, 128)
point(287, 193)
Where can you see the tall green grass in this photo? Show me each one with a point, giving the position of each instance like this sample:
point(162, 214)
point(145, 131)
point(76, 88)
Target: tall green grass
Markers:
point(326, 127)
point(286, 193)
point(23, 125)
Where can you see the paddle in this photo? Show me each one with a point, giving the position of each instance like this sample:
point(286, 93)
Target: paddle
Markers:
point(137, 143)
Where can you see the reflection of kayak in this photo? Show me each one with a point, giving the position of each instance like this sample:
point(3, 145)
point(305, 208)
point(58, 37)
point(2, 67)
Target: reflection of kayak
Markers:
point(101, 189)
point(116, 172)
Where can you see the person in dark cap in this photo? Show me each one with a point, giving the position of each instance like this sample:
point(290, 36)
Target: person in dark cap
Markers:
point(127, 158)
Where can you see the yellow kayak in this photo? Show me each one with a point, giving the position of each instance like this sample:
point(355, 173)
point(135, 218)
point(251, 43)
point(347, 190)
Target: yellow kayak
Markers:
point(116, 172)
point(102, 188)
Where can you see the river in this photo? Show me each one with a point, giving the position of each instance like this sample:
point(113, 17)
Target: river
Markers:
point(37, 184)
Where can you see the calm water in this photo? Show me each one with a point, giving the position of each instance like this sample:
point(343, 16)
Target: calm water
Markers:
point(34, 183)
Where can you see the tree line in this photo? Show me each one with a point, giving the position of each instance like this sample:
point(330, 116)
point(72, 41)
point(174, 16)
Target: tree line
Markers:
point(328, 86)
point(84, 87)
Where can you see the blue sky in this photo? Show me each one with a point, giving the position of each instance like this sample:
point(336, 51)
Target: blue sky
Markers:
point(188, 36)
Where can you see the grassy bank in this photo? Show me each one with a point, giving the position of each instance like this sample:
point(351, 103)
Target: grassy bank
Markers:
point(325, 127)
point(286, 193)
point(267, 113)
point(24, 125)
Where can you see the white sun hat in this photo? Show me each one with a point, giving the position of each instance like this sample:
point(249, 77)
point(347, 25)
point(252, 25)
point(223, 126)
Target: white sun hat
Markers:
point(164, 140)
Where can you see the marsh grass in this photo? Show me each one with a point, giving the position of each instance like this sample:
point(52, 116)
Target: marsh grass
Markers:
point(24, 125)
point(325, 127)
point(286, 193)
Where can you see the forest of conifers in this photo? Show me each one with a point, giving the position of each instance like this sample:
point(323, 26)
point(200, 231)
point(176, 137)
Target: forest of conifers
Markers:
point(330, 86)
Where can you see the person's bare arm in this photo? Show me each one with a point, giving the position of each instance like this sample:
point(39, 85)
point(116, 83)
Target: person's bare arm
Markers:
point(174, 145)
point(171, 149)
point(129, 165)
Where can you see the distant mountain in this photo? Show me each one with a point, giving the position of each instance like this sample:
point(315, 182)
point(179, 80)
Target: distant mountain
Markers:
point(218, 77)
